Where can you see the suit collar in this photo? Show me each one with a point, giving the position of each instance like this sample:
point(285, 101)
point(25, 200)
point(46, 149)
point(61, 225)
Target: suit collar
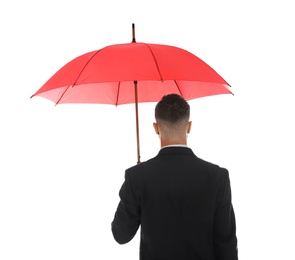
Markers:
point(175, 149)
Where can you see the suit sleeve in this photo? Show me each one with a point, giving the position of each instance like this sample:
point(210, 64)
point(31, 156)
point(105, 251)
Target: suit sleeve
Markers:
point(225, 241)
point(127, 217)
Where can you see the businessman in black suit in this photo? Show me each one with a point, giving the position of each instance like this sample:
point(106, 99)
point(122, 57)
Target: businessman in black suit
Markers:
point(182, 203)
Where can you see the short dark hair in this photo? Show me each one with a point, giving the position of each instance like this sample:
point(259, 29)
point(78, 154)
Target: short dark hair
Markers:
point(172, 108)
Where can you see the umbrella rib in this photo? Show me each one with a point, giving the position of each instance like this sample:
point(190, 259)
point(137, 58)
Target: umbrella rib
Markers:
point(61, 96)
point(178, 88)
point(155, 61)
point(117, 98)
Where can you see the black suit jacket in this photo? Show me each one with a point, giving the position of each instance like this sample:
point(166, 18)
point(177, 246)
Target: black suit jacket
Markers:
point(183, 205)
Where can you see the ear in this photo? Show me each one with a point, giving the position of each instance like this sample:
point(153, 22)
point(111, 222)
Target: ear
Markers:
point(156, 127)
point(189, 126)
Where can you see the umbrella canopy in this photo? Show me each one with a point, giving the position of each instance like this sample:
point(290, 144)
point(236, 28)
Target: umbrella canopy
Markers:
point(107, 75)
point(131, 73)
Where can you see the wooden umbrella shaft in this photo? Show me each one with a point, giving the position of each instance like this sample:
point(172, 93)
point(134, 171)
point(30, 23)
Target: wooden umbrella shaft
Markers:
point(136, 104)
point(137, 123)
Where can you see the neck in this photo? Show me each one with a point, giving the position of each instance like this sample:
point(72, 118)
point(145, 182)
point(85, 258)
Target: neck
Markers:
point(172, 142)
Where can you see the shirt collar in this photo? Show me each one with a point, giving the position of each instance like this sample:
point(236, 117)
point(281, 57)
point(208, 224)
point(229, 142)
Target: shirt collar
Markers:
point(175, 145)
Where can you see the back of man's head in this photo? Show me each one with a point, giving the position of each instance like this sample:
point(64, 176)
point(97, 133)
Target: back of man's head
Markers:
point(172, 108)
point(172, 115)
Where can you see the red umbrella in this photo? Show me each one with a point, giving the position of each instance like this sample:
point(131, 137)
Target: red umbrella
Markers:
point(131, 73)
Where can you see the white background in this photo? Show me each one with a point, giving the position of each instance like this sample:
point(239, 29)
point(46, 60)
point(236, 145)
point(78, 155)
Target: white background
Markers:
point(62, 166)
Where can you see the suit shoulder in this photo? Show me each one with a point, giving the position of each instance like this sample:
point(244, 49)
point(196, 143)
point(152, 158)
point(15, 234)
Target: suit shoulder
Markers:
point(142, 165)
point(208, 164)
point(140, 168)
point(213, 168)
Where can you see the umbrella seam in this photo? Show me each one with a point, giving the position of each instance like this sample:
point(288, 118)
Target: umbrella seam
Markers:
point(77, 76)
point(155, 61)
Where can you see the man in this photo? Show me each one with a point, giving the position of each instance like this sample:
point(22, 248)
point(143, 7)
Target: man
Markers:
point(182, 202)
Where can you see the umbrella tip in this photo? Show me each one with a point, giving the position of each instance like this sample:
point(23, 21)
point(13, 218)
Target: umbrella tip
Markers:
point(133, 33)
